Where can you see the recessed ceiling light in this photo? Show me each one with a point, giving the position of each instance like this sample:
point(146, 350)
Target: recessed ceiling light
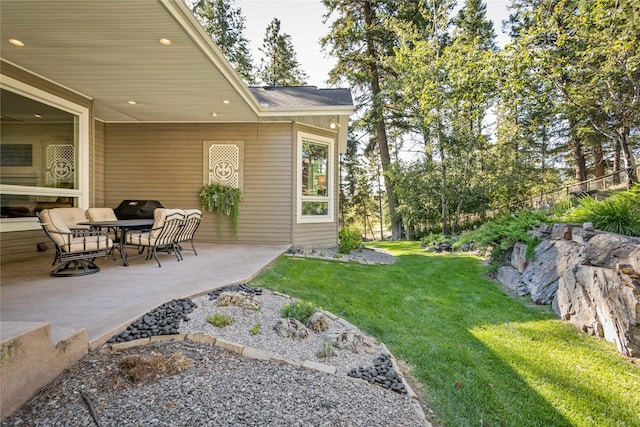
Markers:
point(165, 42)
point(214, 114)
point(37, 116)
point(131, 102)
point(226, 101)
point(16, 42)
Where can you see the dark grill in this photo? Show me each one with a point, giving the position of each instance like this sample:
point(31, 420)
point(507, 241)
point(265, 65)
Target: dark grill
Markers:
point(137, 209)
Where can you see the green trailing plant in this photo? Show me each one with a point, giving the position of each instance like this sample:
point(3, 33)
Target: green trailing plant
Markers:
point(619, 213)
point(301, 311)
point(222, 200)
point(220, 320)
point(348, 240)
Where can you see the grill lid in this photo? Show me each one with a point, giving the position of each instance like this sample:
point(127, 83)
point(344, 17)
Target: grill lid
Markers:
point(137, 209)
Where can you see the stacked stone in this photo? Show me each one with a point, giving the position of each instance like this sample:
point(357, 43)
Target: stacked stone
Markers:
point(235, 288)
point(162, 320)
point(381, 373)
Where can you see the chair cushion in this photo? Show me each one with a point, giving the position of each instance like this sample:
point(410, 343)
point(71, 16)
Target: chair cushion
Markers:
point(101, 214)
point(159, 216)
point(54, 223)
point(72, 216)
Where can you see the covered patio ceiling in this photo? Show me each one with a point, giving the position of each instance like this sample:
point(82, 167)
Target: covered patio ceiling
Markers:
point(110, 51)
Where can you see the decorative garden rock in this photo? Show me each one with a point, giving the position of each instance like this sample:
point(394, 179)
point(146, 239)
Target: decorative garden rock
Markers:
point(353, 342)
point(240, 299)
point(291, 328)
point(318, 322)
point(380, 373)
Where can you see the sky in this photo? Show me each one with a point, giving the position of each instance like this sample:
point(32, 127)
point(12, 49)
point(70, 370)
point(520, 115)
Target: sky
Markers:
point(302, 20)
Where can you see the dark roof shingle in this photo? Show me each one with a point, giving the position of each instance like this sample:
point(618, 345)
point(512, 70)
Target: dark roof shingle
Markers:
point(301, 97)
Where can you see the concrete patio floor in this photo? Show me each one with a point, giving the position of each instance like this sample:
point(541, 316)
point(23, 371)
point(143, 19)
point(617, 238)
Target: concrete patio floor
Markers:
point(106, 302)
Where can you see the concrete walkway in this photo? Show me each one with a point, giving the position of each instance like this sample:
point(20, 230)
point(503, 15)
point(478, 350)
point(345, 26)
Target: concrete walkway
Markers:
point(106, 302)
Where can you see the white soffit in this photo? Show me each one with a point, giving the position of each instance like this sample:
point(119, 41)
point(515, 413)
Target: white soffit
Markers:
point(109, 51)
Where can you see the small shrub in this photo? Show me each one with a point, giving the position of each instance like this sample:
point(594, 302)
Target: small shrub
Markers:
point(220, 320)
point(348, 240)
point(326, 349)
point(256, 329)
point(432, 239)
point(299, 310)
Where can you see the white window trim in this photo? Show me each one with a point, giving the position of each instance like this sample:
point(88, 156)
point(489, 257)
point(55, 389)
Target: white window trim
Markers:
point(82, 192)
point(330, 176)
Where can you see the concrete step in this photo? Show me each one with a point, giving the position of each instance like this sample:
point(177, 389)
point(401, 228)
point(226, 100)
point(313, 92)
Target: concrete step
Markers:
point(31, 356)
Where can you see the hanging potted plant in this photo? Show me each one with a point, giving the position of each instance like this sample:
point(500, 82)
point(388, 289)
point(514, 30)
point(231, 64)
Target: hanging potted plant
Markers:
point(222, 200)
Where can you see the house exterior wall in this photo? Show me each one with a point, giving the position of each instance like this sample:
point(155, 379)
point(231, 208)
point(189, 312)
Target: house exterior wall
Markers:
point(22, 244)
point(97, 166)
point(164, 162)
point(321, 234)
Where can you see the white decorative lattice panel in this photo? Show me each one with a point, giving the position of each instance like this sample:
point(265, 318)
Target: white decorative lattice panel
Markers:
point(224, 164)
point(60, 164)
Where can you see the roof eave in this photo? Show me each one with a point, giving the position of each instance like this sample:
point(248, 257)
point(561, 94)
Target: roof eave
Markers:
point(308, 111)
point(181, 13)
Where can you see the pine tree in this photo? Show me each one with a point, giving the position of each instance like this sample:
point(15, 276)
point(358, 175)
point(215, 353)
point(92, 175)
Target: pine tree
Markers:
point(225, 25)
point(279, 67)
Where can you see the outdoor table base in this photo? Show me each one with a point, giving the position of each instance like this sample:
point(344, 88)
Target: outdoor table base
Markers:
point(121, 226)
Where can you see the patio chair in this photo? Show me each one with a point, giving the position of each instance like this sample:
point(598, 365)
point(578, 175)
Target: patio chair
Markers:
point(167, 224)
point(72, 216)
point(105, 214)
point(75, 249)
point(192, 219)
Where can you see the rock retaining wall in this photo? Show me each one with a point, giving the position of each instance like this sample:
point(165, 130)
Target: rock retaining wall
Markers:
point(591, 279)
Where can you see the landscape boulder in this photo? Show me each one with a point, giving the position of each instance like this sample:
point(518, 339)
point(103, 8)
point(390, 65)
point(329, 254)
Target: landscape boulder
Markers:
point(591, 278)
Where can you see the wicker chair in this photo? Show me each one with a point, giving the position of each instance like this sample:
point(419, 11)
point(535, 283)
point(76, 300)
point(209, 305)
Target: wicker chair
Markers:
point(76, 249)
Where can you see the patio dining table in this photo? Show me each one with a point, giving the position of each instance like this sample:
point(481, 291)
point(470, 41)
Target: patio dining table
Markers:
point(121, 226)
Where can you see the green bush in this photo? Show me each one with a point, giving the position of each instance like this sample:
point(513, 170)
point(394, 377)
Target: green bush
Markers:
point(301, 311)
point(501, 233)
point(619, 213)
point(348, 240)
point(432, 239)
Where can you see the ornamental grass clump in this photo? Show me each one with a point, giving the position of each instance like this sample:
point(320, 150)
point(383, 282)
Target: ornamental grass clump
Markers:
point(301, 311)
point(619, 213)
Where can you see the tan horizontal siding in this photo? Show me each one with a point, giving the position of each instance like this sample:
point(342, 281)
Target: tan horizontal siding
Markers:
point(164, 162)
point(19, 245)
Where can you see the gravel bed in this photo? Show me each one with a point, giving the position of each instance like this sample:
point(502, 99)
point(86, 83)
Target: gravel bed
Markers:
point(267, 340)
point(221, 388)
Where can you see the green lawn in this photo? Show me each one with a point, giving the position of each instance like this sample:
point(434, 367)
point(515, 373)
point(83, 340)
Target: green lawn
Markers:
point(484, 358)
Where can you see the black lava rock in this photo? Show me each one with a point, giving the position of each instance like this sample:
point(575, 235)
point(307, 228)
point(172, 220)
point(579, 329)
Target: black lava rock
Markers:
point(162, 320)
point(235, 288)
point(381, 373)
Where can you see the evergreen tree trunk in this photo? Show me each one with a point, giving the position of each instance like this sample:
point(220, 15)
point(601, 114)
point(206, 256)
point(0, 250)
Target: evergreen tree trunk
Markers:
point(599, 164)
point(616, 163)
point(629, 162)
point(578, 156)
point(380, 127)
